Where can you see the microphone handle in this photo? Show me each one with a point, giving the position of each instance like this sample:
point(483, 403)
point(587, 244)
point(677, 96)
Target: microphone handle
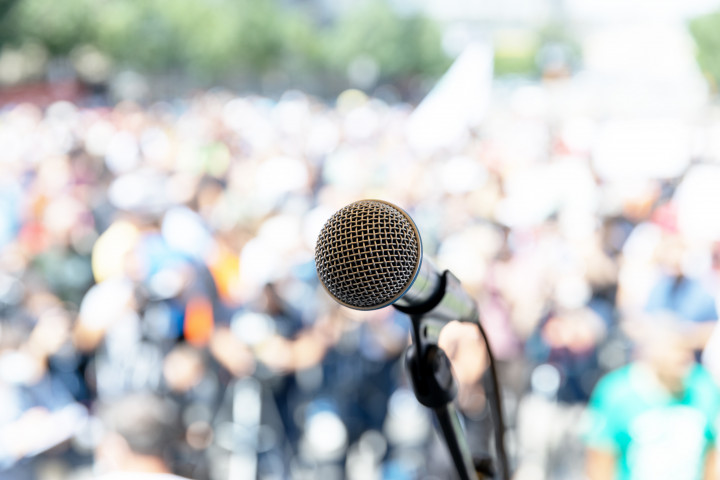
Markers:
point(448, 302)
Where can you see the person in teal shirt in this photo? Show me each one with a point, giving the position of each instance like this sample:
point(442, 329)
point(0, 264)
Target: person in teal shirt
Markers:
point(655, 418)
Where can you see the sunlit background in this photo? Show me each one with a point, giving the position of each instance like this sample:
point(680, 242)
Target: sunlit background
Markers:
point(166, 167)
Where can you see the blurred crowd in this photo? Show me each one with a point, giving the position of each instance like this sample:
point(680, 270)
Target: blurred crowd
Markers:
point(156, 268)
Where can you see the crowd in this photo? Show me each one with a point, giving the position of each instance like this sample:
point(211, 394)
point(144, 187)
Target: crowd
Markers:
point(166, 251)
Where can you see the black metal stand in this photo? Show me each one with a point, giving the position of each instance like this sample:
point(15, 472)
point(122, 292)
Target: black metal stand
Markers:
point(434, 385)
point(432, 378)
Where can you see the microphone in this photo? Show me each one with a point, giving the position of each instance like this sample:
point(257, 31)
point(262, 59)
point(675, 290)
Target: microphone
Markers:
point(369, 255)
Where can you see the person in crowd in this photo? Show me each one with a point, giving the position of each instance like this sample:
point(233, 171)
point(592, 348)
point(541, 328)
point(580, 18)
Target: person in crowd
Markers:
point(136, 445)
point(655, 418)
point(675, 291)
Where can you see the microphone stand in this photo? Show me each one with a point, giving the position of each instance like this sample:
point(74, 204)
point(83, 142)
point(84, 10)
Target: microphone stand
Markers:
point(434, 385)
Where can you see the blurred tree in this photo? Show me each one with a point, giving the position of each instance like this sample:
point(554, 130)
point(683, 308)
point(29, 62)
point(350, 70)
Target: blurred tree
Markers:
point(58, 26)
point(515, 52)
point(401, 45)
point(550, 51)
point(211, 40)
point(706, 32)
point(5, 7)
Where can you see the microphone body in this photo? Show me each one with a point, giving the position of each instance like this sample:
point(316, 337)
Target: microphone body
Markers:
point(369, 255)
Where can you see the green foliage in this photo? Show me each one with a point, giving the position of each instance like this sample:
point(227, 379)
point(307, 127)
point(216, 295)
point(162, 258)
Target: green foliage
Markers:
point(58, 26)
point(5, 7)
point(212, 39)
point(527, 53)
point(706, 32)
point(512, 62)
point(401, 46)
point(208, 37)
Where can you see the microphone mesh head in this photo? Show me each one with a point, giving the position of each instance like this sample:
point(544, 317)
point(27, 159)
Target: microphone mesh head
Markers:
point(367, 254)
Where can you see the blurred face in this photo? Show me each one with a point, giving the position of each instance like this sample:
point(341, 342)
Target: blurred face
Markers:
point(671, 356)
point(576, 332)
point(183, 369)
point(670, 255)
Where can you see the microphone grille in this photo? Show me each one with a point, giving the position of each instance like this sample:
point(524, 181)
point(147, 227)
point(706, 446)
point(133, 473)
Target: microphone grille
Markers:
point(368, 254)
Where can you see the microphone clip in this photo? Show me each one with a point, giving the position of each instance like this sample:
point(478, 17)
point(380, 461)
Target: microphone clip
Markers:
point(431, 376)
